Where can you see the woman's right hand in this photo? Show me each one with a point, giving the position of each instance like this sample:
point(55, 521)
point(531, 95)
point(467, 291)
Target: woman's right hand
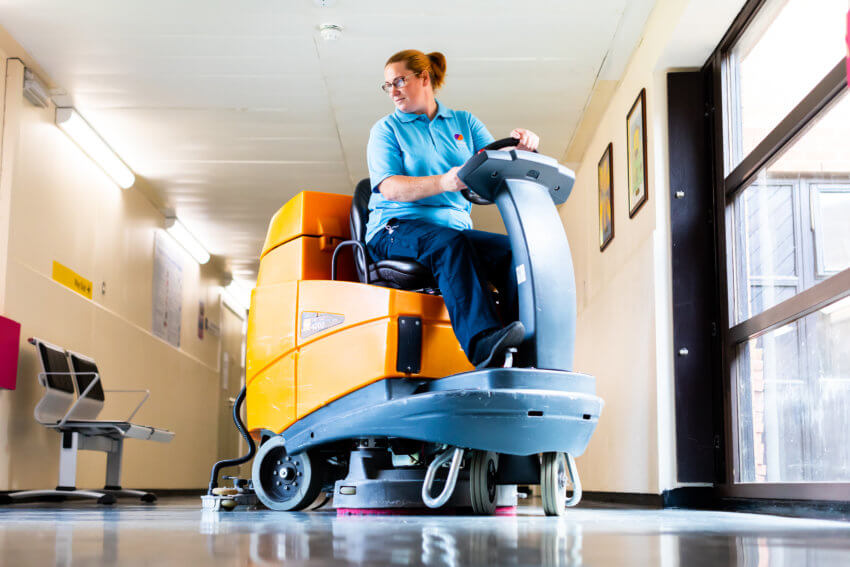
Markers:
point(450, 182)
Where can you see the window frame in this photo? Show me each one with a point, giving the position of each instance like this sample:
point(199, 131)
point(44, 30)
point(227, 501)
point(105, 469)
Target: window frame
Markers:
point(726, 186)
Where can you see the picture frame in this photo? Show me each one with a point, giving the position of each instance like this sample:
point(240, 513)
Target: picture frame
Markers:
point(605, 184)
point(638, 188)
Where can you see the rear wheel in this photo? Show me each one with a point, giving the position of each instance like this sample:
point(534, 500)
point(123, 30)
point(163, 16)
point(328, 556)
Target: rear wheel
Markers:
point(285, 482)
point(553, 483)
point(482, 482)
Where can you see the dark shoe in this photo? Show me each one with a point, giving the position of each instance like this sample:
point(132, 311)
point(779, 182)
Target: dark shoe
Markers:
point(489, 347)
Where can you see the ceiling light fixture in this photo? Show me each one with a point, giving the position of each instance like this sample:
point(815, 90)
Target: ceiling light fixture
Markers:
point(330, 32)
point(34, 90)
point(70, 121)
point(241, 292)
point(232, 303)
point(187, 240)
point(236, 294)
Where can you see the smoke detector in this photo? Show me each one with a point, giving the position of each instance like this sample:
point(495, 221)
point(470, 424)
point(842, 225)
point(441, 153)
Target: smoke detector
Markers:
point(324, 3)
point(330, 32)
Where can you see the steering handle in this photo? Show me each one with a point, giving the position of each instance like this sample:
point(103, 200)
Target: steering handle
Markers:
point(471, 195)
point(503, 143)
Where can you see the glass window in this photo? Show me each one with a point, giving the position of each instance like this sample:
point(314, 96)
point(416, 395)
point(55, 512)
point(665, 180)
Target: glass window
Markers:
point(831, 220)
point(791, 227)
point(794, 400)
point(766, 216)
point(789, 47)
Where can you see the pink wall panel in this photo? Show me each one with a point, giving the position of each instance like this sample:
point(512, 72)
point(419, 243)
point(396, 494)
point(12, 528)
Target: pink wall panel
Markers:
point(10, 336)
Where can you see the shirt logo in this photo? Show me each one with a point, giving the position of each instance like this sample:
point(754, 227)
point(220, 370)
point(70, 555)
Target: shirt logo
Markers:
point(459, 137)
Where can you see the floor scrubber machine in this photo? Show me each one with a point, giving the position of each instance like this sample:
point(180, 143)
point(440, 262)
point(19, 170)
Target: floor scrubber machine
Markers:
point(357, 386)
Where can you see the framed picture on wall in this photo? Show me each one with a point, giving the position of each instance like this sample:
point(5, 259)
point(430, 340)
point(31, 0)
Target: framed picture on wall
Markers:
point(636, 150)
point(606, 197)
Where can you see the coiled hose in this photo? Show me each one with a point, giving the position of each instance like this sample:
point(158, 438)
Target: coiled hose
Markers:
point(237, 419)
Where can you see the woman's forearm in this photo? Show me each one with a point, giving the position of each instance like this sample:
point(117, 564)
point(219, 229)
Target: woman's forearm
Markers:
point(403, 188)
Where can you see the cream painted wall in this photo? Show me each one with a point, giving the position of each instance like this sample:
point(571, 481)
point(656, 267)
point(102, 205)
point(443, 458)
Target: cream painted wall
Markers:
point(624, 294)
point(64, 208)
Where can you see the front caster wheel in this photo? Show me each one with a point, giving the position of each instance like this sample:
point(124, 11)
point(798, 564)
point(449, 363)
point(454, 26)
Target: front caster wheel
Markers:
point(285, 482)
point(553, 483)
point(482, 482)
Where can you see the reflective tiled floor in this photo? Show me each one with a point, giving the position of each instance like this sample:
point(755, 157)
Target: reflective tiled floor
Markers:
point(177, 532)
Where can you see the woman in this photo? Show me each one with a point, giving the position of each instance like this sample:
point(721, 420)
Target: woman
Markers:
point(416, 211)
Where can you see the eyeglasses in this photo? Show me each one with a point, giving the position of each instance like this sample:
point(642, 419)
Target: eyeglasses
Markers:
point(398, 82)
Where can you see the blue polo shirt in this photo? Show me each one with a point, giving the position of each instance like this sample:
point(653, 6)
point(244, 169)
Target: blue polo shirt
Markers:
point(414, 146)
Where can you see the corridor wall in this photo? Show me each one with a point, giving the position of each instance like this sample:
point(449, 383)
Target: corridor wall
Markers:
point(624, 293)
point(57, 205)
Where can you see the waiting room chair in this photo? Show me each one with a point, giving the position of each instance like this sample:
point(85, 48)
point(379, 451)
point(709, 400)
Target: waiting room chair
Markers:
point(73, 398)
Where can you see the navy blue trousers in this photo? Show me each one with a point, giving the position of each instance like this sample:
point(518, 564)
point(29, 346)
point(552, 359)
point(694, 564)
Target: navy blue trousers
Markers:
point(463, 262)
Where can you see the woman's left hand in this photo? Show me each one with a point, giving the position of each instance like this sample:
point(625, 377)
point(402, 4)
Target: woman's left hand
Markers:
point(528, 140)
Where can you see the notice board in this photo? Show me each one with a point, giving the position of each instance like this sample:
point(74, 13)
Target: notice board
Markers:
point(167, 290)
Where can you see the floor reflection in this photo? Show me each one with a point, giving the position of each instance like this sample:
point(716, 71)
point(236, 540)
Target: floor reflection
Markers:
point(429, 541)
point(178, 533)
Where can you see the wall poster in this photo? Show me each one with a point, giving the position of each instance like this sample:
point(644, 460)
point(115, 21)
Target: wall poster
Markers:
point(167, 290)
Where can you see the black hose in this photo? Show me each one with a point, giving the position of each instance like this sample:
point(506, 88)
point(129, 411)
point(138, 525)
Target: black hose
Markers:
point(237, 419)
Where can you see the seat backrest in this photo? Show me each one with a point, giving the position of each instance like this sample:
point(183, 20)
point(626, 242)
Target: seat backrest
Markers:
point(57, 382)
point(358, 218)
point(85, 370)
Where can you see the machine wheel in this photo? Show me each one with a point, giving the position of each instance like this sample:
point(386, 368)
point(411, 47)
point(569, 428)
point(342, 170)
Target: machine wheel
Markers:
point(482, 482)
point(553, 483)
point(285, 482)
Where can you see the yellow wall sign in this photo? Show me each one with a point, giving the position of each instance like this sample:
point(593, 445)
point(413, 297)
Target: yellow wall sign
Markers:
point(71, 279)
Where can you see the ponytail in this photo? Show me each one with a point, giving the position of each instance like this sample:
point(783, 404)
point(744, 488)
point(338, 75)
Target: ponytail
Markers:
point(433, 63)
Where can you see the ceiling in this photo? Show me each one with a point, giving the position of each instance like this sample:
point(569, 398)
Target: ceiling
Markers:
point(228, 109)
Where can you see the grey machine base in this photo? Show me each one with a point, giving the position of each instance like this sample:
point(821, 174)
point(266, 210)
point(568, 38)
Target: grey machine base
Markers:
point(402, 488)
point(515, 411)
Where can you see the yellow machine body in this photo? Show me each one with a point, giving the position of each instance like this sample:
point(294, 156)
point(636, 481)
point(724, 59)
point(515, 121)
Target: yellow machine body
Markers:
point(312, 340)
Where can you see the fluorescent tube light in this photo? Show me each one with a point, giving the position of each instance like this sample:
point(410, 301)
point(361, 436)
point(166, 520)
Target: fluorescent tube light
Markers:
point(34, 90)
point(70, 121)
point(187, 240)
point(241, 292)
point(232, 303)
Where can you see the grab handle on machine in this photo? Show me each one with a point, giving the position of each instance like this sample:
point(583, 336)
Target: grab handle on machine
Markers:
point(456, 456)
point(357, 244)
point(572, 469)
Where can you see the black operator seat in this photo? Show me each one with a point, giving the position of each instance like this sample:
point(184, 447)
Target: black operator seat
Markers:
point(398, 273)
